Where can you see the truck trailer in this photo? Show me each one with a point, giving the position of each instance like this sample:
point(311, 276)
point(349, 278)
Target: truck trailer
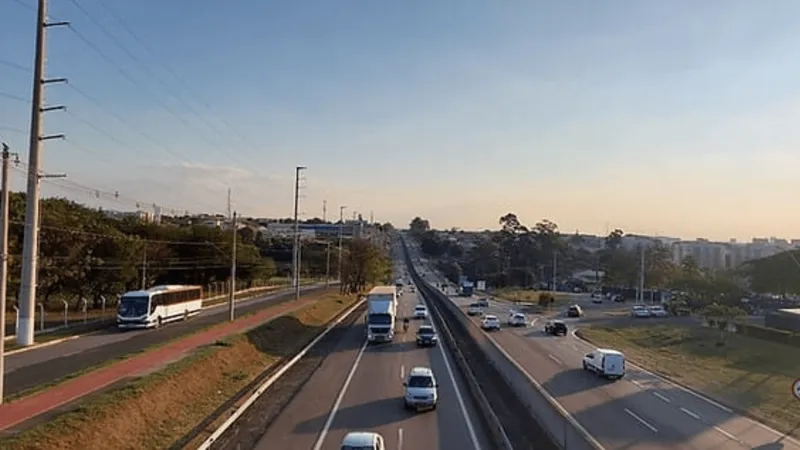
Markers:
point(381, 314)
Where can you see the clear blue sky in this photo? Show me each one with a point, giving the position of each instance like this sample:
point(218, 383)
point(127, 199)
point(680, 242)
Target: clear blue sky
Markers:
point(675, 118)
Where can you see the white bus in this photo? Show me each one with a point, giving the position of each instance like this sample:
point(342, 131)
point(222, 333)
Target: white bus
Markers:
point(159, 305)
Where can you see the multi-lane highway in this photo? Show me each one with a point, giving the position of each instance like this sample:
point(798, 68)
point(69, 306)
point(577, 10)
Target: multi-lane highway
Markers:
point(43, 365)
point(360, 387)
point(642, 411)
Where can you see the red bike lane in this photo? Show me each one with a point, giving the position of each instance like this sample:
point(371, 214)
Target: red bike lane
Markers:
point(26, 408)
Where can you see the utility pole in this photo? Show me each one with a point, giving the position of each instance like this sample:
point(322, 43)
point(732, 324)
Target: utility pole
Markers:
point(371, 218)
point(229, 204)
point(3, 262)
point(296, 248)
point(144, 267)
point(328, 264)
point(27, 290)
point(232, 290)
point(640, 294)
point(324, 210)
point(341, 232)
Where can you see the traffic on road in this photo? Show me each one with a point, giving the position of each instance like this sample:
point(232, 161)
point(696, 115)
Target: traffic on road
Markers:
point(634, 410)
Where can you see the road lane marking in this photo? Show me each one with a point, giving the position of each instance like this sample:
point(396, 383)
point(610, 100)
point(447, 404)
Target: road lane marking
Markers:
point(399, 439)
point(690, 413)
point(339, 398)
point(676, 385)
point(402, 371)
point(637, 383)
point(558, 361)
point(727, 435)
point(459, 398)
point(641, 421)
point(575, 347)
point(662, 397)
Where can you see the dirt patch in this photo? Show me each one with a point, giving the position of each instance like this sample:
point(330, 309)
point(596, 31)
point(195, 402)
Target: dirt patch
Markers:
point(751, 375)
point(156, 410)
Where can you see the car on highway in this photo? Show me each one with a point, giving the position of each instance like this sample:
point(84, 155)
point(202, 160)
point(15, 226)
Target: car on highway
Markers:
point(597, 299)
point(574, 311)
point(555, 327)
point(490, 322)
point(363, 440)
point(605, 363)
point(640, 311)
point(420, 312)
point(516, 319)
point(658, 311)
point(474, 309)
point(483, 302)
point(421, 390)
point(426, 336)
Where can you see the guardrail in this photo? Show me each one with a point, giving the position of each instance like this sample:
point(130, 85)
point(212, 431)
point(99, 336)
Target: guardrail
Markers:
point(215, 302)
point(555, 421)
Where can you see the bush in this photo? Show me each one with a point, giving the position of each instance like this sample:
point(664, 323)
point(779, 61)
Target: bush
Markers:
point(770, 334)
point(546, 299)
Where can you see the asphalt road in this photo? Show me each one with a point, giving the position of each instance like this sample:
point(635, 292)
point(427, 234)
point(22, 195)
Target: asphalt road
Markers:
point(641, 411)
point(359, 387)
point(39, 366)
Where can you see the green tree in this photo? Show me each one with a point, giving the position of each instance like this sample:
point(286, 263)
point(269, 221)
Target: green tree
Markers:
point(364, 264)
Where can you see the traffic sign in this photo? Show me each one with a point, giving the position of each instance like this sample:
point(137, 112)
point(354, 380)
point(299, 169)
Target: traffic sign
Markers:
point(796, 388)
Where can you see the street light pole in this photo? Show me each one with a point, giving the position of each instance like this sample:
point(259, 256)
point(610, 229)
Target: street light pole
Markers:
point(341, 231)
point(232, 291)
point(4, 195)
point(328, 264)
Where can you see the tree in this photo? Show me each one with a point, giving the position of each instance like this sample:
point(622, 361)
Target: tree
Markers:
point(720, 317)
point(364, 264)
point(419, 226)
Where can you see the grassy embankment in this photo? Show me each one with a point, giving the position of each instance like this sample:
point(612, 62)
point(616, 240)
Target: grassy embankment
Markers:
point(515, 295)
point(749, 374)
point(157, 409)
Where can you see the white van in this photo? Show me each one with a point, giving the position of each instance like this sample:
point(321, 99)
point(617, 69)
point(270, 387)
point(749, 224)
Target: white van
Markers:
point(605, 363)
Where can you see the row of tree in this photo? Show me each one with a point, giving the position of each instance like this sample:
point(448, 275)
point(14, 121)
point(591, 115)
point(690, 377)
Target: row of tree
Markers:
point(518, 255)
point(86, 253)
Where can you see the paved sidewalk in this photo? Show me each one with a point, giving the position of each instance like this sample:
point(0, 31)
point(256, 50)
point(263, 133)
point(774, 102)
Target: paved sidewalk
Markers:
point(26, 408)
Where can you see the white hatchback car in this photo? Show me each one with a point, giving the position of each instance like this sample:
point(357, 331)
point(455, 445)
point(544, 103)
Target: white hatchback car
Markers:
point(422, 392)
point(517, 320)
point(420, 312)
point(490, 322)
point(363, 440)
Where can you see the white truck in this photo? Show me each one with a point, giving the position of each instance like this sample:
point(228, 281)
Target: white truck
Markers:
point(381, 313)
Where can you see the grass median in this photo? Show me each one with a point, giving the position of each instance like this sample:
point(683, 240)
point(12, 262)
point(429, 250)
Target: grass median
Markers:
point(156, 410)
point(751, 375)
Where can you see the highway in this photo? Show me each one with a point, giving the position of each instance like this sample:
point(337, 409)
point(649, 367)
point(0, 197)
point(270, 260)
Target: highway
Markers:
point(44, 365)
point(359, 387)
point(642, 411)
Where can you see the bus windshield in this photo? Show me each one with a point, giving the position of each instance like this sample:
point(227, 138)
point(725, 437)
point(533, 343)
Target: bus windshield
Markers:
point(134, 305)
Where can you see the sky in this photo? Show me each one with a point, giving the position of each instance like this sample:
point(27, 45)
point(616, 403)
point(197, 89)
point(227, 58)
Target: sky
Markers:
point(665, 118)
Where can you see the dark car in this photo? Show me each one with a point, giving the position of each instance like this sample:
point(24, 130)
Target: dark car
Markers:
point(574, 311)
point(555, 327)
point(426, 336)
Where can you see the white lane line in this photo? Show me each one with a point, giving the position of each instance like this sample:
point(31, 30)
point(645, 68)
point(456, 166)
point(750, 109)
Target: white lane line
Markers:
point(399, 439)
point(727, 435)
point(558, 361)
point(575, 347)
point(637, 383)
point(338, 402)
point(467, 420)
point(662, 397)
point(690, 413)
point(402, 372)
point(641, 421)
point(678, 386)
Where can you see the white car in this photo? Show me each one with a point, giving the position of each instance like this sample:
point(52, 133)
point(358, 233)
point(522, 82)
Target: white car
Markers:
point(420, 312)
point(517, 320)
point(362, 440)
point(490, 322)
point(421, 389)
point(658, 311)
point(475, 310)
point(640, 311)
